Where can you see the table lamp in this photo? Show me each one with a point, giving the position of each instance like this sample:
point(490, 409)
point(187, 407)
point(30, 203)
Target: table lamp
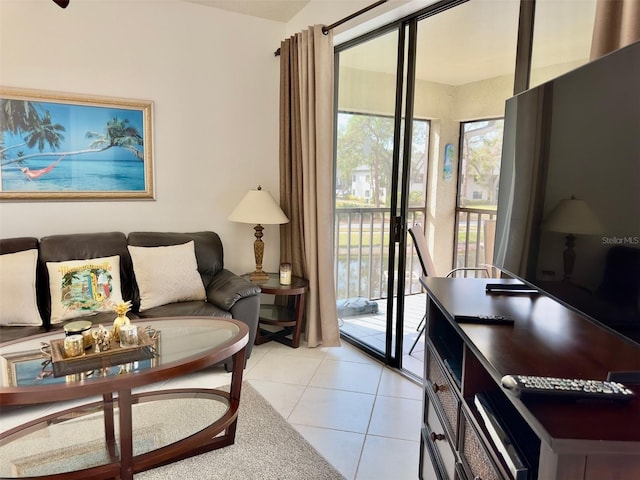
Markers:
point(258, 207)
point(573, 217)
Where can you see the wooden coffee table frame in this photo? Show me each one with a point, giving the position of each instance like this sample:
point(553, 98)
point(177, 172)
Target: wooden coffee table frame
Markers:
point(121, 385)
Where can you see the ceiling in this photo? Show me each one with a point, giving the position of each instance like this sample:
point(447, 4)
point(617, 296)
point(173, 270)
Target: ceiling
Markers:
point(467, 43)
point(277, 10)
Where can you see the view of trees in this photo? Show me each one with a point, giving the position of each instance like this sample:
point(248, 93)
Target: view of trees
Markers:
point(480, 169)
point(367, 140)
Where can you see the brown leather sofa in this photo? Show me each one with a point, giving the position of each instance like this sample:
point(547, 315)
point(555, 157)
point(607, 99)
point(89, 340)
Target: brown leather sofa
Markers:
point(227, 295)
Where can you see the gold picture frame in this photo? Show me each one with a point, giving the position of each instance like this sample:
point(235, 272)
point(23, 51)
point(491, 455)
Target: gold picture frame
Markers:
point(71, 146)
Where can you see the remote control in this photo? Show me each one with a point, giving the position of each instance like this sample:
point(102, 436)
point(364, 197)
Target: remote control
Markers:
point(509, 287)
point(485, 319)
point(526, 386)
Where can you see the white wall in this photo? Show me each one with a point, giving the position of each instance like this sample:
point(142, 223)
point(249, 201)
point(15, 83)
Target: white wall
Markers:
point(214, 82)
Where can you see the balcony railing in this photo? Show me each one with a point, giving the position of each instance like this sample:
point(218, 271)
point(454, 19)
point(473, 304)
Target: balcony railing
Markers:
point(361, 249)
point(474, 238)
point(362, 253)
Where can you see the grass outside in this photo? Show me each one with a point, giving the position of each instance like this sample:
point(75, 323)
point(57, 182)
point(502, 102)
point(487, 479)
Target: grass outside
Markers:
point(366, 239)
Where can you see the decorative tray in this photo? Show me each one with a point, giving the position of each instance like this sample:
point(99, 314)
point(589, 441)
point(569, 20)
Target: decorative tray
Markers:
point(92, 360)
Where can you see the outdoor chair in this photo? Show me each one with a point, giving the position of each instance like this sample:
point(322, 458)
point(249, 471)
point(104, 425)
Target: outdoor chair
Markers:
point(429, 270)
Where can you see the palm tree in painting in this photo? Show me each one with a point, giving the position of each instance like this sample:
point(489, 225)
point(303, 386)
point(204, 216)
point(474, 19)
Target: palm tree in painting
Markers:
point(17, 115)
point(45, 132)
point(118, 133)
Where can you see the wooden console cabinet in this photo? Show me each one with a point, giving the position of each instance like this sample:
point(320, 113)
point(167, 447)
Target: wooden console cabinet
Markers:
point(464, 363)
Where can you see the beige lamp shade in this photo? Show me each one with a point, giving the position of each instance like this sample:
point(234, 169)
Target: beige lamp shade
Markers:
point(258, 207)
point(572, 215)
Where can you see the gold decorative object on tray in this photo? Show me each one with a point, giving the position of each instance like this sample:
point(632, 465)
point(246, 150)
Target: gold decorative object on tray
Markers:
point(80, 327)
point(92, 359)
point(121, 310)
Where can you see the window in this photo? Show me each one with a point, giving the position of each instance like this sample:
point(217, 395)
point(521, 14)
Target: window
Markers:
point(480, 164)
point(479, 176)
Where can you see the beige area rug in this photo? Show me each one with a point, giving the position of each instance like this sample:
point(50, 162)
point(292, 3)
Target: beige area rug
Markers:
point(266, 447)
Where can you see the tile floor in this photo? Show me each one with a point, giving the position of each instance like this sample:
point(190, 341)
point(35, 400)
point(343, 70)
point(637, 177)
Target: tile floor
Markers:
point(370, 329)
point(361, 416)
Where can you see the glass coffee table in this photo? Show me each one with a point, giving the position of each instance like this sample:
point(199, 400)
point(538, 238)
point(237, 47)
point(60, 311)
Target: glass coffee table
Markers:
point(120, 433)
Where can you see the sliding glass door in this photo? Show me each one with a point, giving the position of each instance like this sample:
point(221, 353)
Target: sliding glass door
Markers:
point(381, 165)
point(439, 69)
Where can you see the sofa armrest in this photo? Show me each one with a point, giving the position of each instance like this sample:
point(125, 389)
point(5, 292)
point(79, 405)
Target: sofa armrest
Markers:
point(227, 288)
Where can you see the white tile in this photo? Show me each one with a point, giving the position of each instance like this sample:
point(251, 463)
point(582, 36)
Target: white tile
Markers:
point(396, 417)
point(341, 449)
point(336, 409)
point(388, 458)
point(258, 352)
point(275, 367)
point(392, 384)
point(348, 353)
point(354, 377)
point(282, 397)
point(302, 351)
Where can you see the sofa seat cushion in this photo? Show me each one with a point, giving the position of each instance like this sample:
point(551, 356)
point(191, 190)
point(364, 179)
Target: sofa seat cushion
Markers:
point(18, 299)
point(8, 334)
point(185, 309)
point(166, 274)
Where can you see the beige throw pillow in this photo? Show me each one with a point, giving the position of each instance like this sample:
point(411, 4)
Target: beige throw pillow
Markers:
point(18, 301)
point(167, 274)
point(83, 287)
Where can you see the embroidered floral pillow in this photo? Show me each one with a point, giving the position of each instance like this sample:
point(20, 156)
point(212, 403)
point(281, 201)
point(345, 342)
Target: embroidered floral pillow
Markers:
point(83, 287)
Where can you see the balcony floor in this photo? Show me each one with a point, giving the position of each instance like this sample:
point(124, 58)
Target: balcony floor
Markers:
point(371, 330)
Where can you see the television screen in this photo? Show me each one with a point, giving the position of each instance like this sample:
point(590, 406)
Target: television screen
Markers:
point(569, 200)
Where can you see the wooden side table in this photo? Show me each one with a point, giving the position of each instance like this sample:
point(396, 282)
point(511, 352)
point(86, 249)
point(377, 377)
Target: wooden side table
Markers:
point(289, 317)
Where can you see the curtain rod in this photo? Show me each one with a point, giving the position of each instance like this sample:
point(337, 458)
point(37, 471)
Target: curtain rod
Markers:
point(326, 29)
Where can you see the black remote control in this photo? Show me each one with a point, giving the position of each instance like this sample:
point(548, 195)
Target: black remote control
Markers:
point(527, 386)
point(510, 288)
point(485, 319)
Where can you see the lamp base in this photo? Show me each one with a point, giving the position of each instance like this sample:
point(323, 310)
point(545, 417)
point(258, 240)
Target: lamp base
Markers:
point(258, 276)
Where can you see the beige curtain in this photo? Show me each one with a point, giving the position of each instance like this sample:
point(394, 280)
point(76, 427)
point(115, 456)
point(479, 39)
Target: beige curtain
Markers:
point(617, 24)
point(306, 175)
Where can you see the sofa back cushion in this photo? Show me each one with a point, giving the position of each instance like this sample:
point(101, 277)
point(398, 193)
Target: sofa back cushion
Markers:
point(208, 248)
point(18, 244)
point(82, 246)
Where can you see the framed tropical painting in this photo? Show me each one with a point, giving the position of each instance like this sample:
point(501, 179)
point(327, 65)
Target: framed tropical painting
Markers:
point(67, 146)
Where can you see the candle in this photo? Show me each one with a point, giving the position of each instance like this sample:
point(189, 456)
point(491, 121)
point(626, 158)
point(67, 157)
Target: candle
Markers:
point(285, 274)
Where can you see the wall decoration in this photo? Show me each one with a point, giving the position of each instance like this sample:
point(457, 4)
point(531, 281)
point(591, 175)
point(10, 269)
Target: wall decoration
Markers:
point(447, 169)
point(29, 368)
point(67, 146)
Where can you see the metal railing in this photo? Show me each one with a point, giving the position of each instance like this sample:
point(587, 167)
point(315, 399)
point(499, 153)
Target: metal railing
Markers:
point(473, 248)
point(361, 252)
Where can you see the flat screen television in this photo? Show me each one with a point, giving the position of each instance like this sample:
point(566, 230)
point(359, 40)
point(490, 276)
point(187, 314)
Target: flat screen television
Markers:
point(576, 137)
